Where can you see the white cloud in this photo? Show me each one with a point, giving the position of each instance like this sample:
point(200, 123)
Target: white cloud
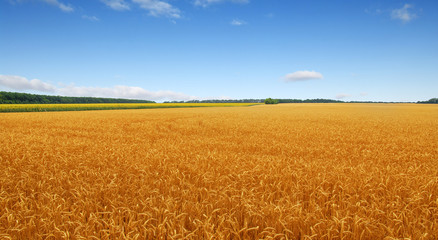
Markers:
point(237, 22)
point(21, 83)
point(403, 13)
point(206, 3)
point(91, 18)
point(376, 11)
point(159, 8)
point(62, 6)
point(155, 7)
point(363, 94)
point(270, 15)
point(119, 5)
point(56, 3)
point(302, 76)
point(342, 96)
point(122, 92)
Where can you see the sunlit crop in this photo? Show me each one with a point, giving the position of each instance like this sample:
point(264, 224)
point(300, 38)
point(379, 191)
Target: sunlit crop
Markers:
point(108, 106)
point(287, 171)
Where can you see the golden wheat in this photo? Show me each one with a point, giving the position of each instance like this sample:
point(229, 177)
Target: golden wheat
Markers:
point(289, 171)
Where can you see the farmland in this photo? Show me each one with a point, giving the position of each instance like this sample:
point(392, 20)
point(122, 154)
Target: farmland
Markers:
point(108, 106)
point(287, 171)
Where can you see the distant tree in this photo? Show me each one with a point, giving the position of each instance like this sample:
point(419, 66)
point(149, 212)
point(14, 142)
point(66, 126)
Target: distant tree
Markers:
point(25, 98)
point(318, 100)
point(271, 101)
point(430, 101)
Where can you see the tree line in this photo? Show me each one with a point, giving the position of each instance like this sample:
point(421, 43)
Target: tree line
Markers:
point(317, 100)
point(430, 101)
point(26, 98)
point(267, 100)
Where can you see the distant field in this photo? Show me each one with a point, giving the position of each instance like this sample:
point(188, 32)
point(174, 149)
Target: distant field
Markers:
point(288, 171)
point(108, 106)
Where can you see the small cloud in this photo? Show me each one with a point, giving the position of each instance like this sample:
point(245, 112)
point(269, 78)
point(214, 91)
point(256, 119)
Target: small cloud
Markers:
point(156, 8)
point(270, 15)
point(376, 11)
point(206, 3)
point(21, 83)
point(90, 18)
point(62, 6)
point(159, 8)
point(237, 22)
point(66, 8)
point(215, 98)
point(56, 3)
point(15, 1)
point(302, 76)
point(223, 98)
point(342, 96)
point(363, 94)
point(119, 5)
point(404, 14)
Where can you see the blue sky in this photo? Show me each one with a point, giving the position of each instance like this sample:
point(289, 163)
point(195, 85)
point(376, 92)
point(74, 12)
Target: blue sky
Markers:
point(221, 49)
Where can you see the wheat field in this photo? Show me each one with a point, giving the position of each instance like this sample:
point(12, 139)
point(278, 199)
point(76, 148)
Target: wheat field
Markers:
point(287, 171)
point(108, 106)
